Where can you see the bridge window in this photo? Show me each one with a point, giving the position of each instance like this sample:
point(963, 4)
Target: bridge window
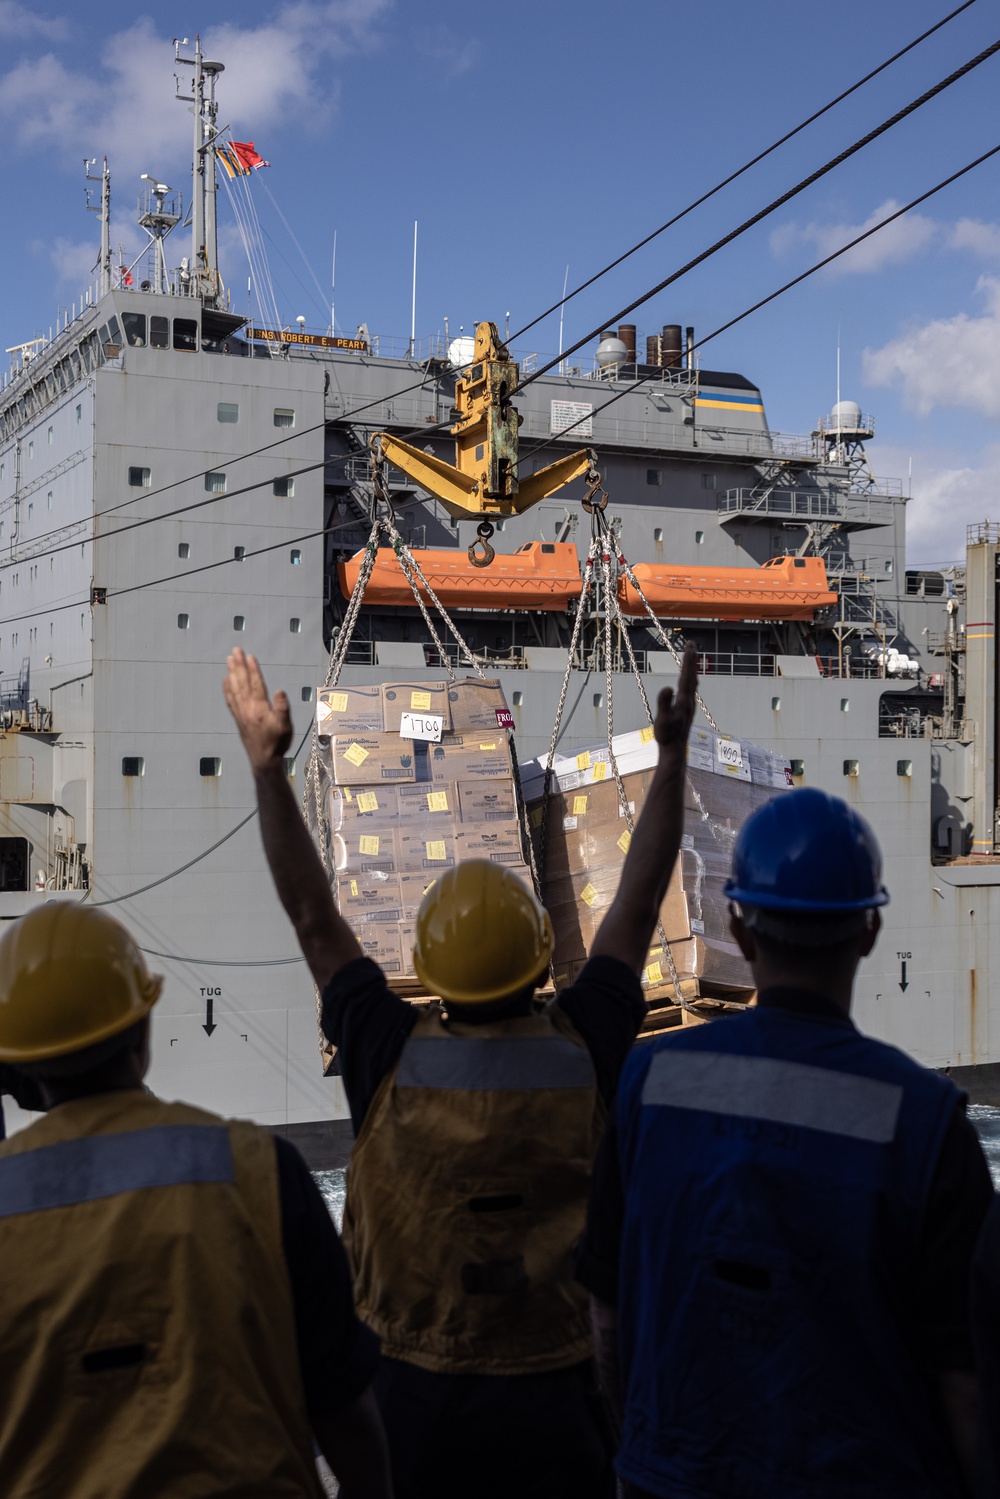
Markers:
point(159, 332)
point(228, 411)
point(135, 329)
point(284, 489)
point(185, 334)
point(284, 416)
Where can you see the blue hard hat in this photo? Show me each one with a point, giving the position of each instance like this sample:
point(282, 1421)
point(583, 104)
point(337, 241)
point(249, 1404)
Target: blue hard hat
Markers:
point(807, 851)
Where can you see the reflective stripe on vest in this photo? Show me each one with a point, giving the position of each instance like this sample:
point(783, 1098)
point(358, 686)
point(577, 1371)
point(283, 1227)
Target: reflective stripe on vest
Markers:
point(83, 1170)
point(839, 1103)
point(493, 1064)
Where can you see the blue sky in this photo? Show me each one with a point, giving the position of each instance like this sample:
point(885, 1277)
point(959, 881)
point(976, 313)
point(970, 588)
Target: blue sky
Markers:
point(526, 137)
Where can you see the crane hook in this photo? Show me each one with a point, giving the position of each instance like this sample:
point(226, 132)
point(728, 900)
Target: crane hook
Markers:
point(483, 532)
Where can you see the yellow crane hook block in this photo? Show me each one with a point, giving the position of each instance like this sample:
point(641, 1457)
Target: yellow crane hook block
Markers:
point(484, 479)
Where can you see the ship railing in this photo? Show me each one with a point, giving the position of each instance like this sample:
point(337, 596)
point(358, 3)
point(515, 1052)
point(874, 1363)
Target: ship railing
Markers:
point(877, 485)
point(984, 532)
point(807, 505)
point(365, 653)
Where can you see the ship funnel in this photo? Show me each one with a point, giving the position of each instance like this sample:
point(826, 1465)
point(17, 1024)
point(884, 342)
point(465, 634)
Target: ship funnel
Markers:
point(671, 346)
point(689, 348)
point(627, 335)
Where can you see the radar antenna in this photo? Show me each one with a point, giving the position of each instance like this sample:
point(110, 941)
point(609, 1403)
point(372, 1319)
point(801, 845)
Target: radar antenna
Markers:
point(206, 283)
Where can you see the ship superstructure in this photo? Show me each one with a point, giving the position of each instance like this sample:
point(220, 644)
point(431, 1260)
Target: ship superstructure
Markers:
point(174, 481)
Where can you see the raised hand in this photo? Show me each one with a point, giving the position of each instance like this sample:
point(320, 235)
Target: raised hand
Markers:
point(265, 726)
point(674, 713)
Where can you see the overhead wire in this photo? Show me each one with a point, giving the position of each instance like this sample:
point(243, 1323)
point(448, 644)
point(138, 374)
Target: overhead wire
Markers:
point(818, 265)
point(754, 161)
point(776, 203)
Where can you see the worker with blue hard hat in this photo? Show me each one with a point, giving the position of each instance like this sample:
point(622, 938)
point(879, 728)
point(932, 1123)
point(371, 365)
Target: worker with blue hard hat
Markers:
point(784, 1214)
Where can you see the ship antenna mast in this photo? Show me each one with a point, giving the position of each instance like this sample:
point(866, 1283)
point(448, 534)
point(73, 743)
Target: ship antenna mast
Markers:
point(105, 212)
point(204, 233)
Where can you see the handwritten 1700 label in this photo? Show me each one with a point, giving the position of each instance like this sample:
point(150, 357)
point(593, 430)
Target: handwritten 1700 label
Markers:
point(425, 726)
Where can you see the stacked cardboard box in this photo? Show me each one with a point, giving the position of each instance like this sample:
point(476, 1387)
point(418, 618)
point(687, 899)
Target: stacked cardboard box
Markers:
point(400, 810)
point(586, 838)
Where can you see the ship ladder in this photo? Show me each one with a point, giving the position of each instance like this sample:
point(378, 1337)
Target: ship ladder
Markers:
point(606, 561)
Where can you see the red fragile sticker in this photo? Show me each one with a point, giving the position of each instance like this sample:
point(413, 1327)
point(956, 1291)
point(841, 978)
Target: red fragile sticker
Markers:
point(505, 718)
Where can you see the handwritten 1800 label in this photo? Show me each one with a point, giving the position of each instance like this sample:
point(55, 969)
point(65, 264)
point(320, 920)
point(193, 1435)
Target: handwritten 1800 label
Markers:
point(728, 752)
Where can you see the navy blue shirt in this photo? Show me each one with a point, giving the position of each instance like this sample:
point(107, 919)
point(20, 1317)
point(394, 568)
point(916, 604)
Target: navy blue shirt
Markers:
point(369, 1024)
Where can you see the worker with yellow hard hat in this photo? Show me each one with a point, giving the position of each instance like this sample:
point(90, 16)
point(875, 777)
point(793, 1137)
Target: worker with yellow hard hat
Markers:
point(176, 1314)
point(476, 1126)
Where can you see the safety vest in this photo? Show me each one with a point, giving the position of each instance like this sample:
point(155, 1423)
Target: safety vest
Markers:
point(467, 1191)
point(147, 1336)
point(776, 1171)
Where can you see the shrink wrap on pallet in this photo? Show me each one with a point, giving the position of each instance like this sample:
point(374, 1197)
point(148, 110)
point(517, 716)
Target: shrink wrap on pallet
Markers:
point(401, 811)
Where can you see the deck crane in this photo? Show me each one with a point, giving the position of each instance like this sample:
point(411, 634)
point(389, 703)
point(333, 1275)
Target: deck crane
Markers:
point(484, 479)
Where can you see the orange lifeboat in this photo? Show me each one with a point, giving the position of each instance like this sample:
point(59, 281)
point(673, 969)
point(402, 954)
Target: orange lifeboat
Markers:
point(539, 575)
point(784, 588)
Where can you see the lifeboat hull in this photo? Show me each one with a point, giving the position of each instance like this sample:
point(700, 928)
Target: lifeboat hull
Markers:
point(539, 575)
point(786, 588)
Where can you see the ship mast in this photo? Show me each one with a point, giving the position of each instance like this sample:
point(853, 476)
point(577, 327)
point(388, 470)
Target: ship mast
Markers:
point(204, 233)
point(105, 212)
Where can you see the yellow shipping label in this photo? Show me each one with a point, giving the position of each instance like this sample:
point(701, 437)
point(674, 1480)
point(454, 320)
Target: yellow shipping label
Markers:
point(490, 746)
point(654, 974)
point(420, 700)
point(436, 849)
point(625, 841)
point(583, 760)
point(437, 801)
point(588, 894)
point(579, 806)
point(367, 801)
point(600, 770)
point(646, 734)
point(337, 702)
point(368, 845)
point(354, 887)
point(356, 754)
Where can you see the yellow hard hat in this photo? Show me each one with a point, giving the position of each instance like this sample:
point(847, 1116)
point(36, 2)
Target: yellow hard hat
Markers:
point(70, 976)
point(481, 934)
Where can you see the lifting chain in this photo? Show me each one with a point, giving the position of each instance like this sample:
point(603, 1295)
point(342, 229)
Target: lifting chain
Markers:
point(483, 533)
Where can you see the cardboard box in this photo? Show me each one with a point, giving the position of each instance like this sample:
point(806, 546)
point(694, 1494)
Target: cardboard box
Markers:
point(383, 946)
point(371, 759)
point(478, 703)
point(426, 804)
point(414, 885)
point(414, 697)
point(349, 710)
point(486, 801)
point(464, 757)
point(363, 806)
point(364, 899)
point(426, 849)
point(498, 842)
point(360, 850)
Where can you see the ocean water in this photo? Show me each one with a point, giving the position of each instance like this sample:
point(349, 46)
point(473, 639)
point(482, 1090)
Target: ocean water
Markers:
point(986, 1120)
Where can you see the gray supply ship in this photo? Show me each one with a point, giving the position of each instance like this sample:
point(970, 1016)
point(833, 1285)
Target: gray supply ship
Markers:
point(174, 481)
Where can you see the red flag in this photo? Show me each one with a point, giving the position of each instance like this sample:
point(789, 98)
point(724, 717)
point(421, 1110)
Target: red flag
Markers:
point(126, 276)
point(247, 155)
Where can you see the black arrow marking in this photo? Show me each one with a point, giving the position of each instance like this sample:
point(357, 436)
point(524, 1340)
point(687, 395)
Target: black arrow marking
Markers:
point(902, 978)
point(209, 1025)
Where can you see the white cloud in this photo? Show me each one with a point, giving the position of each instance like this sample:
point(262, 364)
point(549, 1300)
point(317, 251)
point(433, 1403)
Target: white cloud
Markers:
point(947, 362)
point(127, 106)
point(898, 241)
point(972, 234)
point(21, 22)
point(950, 492)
